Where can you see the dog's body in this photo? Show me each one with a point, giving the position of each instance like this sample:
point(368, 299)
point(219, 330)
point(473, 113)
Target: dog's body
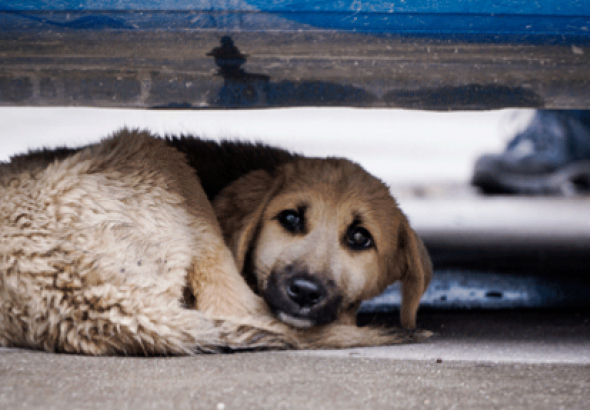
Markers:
point(107, 249)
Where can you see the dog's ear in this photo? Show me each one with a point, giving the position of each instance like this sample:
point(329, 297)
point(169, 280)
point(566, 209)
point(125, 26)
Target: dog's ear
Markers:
point(415, 274)
point(239, 208)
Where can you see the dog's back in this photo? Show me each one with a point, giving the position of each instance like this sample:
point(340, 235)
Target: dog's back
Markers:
point(95, 247)
point(218, 164)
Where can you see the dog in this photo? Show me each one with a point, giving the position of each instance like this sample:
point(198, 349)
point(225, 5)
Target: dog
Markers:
point(145, 246)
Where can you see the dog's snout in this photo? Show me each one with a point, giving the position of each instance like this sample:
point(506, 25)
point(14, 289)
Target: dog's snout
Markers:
point(302, 298)
point(305, 292)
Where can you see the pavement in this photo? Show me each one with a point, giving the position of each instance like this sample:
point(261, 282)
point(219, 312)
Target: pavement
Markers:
point(518, 359)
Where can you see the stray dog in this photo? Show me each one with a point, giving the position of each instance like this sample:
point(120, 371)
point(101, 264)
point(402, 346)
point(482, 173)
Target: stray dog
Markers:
point(140, 245)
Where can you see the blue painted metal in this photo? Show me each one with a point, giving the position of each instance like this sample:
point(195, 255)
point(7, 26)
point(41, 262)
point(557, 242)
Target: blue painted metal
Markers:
point(551, 20)
point(569, 7)
point(467, 289)
point(445, 54)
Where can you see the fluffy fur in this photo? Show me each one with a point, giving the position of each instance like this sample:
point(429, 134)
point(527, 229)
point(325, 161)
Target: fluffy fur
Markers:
point(116, 248)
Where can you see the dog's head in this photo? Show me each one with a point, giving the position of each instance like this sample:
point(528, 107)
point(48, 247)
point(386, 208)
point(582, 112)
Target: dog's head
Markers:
point(320, 236)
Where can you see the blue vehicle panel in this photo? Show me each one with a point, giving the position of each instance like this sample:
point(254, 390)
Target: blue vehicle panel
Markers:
point(445, 54)
point(549, 17)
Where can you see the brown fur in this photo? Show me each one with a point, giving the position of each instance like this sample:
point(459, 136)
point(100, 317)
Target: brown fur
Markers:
point(98, 247)
point(335, 192)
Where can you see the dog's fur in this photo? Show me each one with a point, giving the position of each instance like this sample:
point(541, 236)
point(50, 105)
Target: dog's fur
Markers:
point(107, 249)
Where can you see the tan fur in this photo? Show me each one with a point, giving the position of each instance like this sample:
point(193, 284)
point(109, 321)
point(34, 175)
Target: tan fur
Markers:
point(97, 249)
point(335, 191)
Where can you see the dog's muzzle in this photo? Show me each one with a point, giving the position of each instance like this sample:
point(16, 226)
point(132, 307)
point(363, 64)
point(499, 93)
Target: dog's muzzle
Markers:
point(301, 299)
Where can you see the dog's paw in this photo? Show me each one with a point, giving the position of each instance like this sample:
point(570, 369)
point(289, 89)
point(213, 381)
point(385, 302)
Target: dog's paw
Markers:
point(402, 336)
point(417, 335)
point(347, 336)
point(257, 334)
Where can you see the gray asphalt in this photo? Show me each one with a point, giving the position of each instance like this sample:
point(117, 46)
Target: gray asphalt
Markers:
point(477, 360)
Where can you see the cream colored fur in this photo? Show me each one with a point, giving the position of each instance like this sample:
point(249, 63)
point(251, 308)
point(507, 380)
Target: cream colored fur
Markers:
point(94, 260)
point(97, 250)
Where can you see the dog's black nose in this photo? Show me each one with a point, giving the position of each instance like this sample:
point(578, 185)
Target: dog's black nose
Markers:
point(306, 292)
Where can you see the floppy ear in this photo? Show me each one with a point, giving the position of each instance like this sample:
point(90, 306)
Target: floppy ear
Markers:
point(416, 277)
point(239, 208)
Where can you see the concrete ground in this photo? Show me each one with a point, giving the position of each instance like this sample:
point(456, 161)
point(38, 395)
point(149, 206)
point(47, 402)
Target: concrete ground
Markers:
point(477, 360)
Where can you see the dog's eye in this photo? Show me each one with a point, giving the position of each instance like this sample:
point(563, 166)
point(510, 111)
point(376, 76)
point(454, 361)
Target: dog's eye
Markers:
point(291, 220)
point(359, 238)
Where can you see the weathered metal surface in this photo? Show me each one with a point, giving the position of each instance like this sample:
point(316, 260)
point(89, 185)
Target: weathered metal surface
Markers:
point(505, 252)
point(175, 69)
point(416, 54)
point(465, 289)
point(477, 276)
